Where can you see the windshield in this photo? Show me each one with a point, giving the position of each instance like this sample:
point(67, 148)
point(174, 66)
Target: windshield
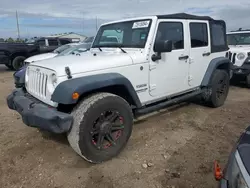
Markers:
point(130, 34)
point(61, 48)
point(80, 48)
point(238, 39)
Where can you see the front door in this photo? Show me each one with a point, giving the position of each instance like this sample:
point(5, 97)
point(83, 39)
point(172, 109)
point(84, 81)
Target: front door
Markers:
point(200, 51)
point(169, 75)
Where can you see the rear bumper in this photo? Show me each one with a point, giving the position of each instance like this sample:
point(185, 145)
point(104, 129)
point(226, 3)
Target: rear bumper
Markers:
point(36, 114)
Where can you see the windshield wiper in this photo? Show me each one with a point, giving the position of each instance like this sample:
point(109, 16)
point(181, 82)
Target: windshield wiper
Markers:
point(99, 49)
point(122, 49)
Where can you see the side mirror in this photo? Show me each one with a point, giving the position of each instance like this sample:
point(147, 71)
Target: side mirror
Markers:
point(163, 46)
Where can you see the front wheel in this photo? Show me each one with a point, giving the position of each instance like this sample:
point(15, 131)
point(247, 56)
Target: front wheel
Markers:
point(102, 126)
point(18, 62)
point(219, 88)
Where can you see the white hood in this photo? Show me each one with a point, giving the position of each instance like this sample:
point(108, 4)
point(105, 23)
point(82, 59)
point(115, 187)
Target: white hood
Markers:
point(40, 57)
point(85, 62)
point(239, 49)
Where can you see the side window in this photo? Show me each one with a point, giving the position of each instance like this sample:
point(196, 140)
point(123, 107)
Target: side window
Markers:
point(218, 38)
point(198, 34)
point(41, 42)
point(171, 31)
point(53, 42)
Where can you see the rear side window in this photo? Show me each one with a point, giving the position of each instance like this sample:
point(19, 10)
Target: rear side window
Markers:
point(53, 42)
point(171, 31)
point(64, 41)
point(199, 35)
point(218, 36)
point(41, 42)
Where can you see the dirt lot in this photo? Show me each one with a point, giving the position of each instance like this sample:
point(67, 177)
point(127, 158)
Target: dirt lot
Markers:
point(184, 140)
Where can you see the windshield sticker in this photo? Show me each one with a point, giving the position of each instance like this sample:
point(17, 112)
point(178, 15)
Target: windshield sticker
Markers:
point(141, 24)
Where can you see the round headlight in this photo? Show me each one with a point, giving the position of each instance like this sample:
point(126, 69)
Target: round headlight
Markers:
point(241, 56)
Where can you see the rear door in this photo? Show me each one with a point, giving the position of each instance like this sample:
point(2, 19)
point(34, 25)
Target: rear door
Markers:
point(200, 51)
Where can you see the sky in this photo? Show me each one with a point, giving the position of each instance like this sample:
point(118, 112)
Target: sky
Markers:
point(45, 17)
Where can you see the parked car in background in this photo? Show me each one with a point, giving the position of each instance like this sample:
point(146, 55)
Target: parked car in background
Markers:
point(13, 54)
point(48, 55)
point(76, 48)
point(239, 54)
point(236, 173)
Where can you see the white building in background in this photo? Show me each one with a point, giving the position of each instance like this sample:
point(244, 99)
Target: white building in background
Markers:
point(71, 35)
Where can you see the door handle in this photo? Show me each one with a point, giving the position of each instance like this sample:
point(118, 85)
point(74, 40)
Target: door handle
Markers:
point(206, 54)
point(183, 57)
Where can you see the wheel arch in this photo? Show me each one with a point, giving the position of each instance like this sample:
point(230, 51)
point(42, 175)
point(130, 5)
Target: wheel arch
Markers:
point(111, 82)
point(16, 54)
point(221, 63)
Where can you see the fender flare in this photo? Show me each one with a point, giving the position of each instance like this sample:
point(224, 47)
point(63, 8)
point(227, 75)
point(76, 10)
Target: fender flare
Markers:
point(63, 92)
point(219, 62)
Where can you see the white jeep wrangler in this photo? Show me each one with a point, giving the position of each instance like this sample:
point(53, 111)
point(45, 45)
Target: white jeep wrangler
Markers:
point(239, 54)
point(94, 96)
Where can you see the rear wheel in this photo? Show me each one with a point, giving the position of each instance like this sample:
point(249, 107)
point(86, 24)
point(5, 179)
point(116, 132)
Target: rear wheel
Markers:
point(102, 126)
point(218, 92)
point(18, 62)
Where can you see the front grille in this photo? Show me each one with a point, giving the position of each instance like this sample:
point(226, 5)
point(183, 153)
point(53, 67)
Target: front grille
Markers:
point(37, 83)
point(231, 56)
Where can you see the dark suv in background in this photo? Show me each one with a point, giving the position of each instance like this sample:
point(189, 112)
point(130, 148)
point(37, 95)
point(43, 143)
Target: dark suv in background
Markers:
point(14, 54)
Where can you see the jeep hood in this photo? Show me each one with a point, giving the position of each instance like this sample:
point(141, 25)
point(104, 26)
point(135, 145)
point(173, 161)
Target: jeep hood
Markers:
point(85, 62)
point(239, 49)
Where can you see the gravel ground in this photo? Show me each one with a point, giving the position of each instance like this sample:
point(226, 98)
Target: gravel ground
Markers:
point(173, 148)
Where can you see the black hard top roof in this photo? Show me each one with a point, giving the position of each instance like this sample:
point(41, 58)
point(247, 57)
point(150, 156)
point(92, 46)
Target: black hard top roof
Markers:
point(184, 16)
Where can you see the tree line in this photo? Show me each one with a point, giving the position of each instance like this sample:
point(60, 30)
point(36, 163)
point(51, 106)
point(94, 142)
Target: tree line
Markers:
point(13, 40)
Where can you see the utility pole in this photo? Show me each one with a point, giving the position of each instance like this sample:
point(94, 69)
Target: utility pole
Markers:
point(83, 23)
point(96, 23)
point(17, 23)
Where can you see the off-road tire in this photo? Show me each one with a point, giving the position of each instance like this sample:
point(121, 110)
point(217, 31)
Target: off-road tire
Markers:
point(248, 81)
point(85, 114)
point(18, 62)
point(219, 76)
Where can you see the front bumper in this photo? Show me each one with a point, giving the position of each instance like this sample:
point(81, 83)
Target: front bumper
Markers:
point(19, 78)
point(223, 184)
point(242, 70)
point(36, 114)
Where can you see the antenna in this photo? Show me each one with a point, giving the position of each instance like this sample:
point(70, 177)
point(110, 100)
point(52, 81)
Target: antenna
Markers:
point(17, 23)
point(96, 23)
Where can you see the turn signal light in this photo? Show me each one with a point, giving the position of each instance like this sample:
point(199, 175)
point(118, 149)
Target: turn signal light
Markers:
point(75, 95)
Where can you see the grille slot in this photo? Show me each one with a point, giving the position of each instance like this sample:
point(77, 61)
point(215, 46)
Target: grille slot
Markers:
point(37, 83)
